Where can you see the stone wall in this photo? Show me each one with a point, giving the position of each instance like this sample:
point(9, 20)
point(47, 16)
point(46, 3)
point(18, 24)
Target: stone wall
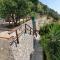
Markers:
point(5, 51)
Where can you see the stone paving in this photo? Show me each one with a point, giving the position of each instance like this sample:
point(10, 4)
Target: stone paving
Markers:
point(24, 48)
point(5, 51)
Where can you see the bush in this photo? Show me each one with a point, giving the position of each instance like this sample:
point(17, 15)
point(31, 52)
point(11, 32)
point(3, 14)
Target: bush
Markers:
point(51, 41)
point(45, 29)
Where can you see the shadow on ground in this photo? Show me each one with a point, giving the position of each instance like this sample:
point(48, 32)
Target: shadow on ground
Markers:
point(37, 54)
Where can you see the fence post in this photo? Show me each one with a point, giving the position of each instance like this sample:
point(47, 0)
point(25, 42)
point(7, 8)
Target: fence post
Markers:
point(17, 37)
point(30, 31)
point(25, 28)
point(23, 20)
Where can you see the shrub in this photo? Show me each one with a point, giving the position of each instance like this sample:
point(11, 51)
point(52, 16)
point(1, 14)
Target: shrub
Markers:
point(50, 41)
point(45, 29)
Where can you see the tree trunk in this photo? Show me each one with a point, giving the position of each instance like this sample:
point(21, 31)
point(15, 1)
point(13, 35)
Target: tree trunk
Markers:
point(13, 20)
point(19, 22)
point(17, 37)
point(16, 22)
point(23, 20)
point(9, 22)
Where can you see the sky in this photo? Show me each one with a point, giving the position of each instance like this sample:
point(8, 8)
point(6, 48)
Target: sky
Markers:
point(54, 4)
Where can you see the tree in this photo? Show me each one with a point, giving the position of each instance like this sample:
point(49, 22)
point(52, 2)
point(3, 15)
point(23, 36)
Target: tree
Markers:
point(40, 8)
point(53, 14)
point(15, 9)
point(35, 3)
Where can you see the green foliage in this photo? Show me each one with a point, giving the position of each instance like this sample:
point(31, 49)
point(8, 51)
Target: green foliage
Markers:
point(22, 8)
point(35, 3)
point(40, 8)
point(45, 29)
point(53, 14)
point(17, 7)
point(51, 41)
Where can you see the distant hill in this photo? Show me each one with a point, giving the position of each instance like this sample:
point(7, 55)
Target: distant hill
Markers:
point(44, 9)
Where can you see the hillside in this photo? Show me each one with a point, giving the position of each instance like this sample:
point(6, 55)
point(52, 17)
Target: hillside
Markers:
point(45, 10)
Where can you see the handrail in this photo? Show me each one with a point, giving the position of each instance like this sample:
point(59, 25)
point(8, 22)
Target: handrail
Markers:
point(30, 29)
point(29, 26)
point(14, 39)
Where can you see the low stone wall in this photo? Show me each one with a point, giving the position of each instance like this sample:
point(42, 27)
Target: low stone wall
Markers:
point(5, 51)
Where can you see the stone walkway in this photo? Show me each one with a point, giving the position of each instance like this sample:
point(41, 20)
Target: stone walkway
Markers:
point(24, 48)
point(27, 49)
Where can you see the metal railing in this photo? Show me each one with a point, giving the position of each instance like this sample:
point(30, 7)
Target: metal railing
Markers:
point(30, 29)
